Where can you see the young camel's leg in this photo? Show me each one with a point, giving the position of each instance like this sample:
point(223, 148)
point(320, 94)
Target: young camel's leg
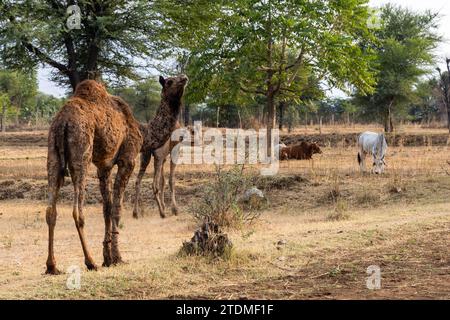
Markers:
point(172, 187)
point(159, 161)
point(55, 181)
point(124, 172)
point(104, 175)
point(162, 186)
point(145, 160)
point(78, 166)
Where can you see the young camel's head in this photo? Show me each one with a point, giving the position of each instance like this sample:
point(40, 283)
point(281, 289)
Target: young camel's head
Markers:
point(173, 90)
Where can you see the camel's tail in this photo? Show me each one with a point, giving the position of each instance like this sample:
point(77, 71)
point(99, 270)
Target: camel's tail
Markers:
point(359, 158)
point(61, 147)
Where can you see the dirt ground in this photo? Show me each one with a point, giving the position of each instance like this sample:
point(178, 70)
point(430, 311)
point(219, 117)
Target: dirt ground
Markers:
point(325, 224)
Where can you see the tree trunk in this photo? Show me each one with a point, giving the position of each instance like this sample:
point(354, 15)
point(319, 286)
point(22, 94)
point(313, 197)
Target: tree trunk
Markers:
point(3, 120)
point(74, 79)
point(187, 115)
point(320, 125)
point(389, 122)
point(281, 108)
point(446, 92)
point(217, 116)
point(448, 118)
point(271, 113)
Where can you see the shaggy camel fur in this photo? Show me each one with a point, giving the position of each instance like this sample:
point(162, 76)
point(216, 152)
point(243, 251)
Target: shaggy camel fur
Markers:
point(92, 126)
point(157, 134)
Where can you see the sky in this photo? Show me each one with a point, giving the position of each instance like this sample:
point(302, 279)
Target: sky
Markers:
point(441, 6)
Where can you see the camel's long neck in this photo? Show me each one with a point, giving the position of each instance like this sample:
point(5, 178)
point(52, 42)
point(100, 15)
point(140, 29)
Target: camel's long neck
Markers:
point(163, 124)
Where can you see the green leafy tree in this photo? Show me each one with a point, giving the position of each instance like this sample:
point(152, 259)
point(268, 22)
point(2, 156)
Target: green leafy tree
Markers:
point(115, 38)
point(444, 89)
point(18, 92)
point(45, 107)
point(405, 53)
point(425, 105)
point(349, 110)
point(143, 96)
point(260, 46)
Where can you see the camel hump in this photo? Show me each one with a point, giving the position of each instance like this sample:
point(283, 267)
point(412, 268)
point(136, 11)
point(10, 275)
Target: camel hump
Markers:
point(123, 106)
point(91, 90)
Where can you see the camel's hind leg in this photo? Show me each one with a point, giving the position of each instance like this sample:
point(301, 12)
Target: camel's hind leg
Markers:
point(159, 163)
point(162, 186)
point(124, 172)
point(55, 181)
point(145, 160)
point(104, 175)
point(80, 160)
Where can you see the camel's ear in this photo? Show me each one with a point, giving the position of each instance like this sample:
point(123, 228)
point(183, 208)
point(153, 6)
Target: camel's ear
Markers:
point(162, 81)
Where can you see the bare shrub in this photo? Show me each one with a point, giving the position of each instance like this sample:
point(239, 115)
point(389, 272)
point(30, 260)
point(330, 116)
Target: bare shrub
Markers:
point(396, 183)
point(219, 202)
point(340, 211)
point(368, 197)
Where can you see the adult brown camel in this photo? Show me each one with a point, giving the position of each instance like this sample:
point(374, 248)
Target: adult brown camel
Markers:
point(92, 126)
point(157, 141)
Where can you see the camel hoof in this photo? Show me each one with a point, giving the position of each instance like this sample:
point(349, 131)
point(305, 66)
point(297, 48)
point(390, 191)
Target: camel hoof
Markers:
point(91, 266)
point(135, 214)
point(118, 261)
point(174, 211)
point(162, 215)
point(52, 271)
point(106, 263)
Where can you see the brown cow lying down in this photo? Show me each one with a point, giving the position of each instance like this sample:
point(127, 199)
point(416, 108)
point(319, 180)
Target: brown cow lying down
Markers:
point(302, 151)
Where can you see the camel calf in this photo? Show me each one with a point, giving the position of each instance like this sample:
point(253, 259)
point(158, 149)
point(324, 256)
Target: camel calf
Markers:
point(157, 134)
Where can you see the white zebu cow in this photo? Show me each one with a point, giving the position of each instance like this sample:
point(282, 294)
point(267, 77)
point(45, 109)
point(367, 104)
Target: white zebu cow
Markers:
point(374, 144)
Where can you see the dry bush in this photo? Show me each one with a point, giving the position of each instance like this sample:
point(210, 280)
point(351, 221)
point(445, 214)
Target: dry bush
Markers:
point(368, 197)
point(334, 193)
point(219, 202)
point(396, 184)
point(340, 211)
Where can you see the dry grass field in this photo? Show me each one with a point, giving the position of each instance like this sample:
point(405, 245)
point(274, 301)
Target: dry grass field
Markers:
point(324, 225)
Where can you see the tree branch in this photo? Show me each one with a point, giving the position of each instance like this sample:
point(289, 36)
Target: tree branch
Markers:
point(255, 91)
point(44, 57)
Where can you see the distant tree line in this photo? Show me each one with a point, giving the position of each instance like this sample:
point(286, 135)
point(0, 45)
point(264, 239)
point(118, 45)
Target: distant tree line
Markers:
point(21, 103)
point(251, 63)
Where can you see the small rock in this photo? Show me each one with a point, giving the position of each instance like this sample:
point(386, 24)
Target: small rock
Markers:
point(340, 231)
point(281, 242)
point(282, 258)
point(253, 192)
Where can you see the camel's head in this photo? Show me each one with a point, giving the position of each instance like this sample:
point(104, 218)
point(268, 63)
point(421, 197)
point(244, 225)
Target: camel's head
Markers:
point(173, 88)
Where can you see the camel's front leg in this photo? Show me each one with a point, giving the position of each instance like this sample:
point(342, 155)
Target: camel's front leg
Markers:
point(78, 175)
point(172, 187)
point(145, 160)
point(123, 175)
